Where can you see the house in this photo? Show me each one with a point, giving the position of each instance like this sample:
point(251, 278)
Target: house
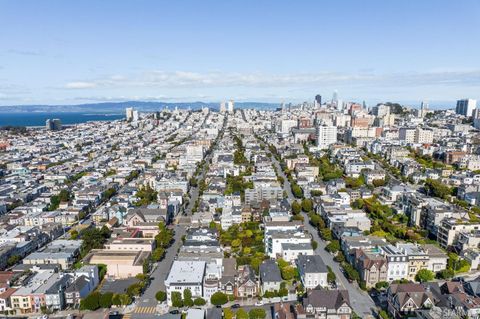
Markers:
point(246, 283)
point(313, 271)
point(5, 301)
point(270, 277)
point(403, 299)
point(325, 304)
point(371, 265)
point(227, 282)
point(185, 275)
point(290, 251)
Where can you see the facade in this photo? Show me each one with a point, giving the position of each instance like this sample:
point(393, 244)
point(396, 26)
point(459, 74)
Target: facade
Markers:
point(185, 275)
point(326, 304)
point(326, 135)
point(313, 271)
point(465, 107)
point(270, 277)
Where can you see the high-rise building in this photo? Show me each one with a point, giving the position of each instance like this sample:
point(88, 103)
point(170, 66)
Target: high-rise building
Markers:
point(135, 116)
point(223, 109)
point(326, 135)
point(318, 100)
point(466, 106)
point(53, 125)
point(57, 124)
point(129, 113)
point(423, 109)
point(230, 106)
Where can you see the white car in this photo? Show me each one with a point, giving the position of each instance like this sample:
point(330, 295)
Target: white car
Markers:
point(259, 303)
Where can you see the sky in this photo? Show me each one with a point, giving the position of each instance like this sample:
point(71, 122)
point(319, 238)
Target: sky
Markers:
point(66, 52)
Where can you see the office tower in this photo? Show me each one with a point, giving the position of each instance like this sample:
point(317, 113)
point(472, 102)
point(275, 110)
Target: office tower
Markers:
point(135, 116)
point(326, 135)
point(335, 97)
point(48, 124)
point(423, 109)
point(129, 113)
point(53, 125)
point(318, 100)
point(466, 106)
point(381, 110)
point(230, 106)
point(223, 109)
point(57, 124)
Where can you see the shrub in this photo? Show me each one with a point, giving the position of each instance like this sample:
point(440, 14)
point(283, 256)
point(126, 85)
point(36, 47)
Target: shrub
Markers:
point(219, 298)
point(161, 296)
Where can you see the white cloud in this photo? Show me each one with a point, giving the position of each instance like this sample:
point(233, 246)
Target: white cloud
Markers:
point(183, 79)
point(80, 85)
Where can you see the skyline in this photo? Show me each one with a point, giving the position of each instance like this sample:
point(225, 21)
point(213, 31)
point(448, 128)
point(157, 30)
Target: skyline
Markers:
point(212, 51)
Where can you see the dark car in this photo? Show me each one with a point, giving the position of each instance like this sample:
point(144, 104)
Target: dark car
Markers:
point(234, 306)
point(175, 312)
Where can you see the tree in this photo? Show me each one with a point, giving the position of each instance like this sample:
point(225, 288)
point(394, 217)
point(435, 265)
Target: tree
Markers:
point(177, 299)
point(446, 274)
point(12, 260)
point(158, 254)
point(333, 246)
point(331, 277)
point(314, 245)
point(257, 313)
point(307, 205)
point(199, 302)
point(297, 191)
point(424, 275)
point(187, 298)
point(381, 285)
point(219, 298)
point(227, 313)
point(90, 302)
point(161, 296)
point(296, 208)
point(106, 300)
point(241, 314)
point(288, 273)
point(116, 300)
point(326, 234)
point(125, 299)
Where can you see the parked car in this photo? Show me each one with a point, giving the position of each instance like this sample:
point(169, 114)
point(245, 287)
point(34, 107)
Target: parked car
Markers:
point(234, 306)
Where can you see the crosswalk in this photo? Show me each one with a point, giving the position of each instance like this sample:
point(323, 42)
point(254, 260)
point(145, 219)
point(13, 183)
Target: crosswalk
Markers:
point(145, 310)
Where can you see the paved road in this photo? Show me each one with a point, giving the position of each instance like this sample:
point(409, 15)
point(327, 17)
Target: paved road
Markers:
point(360, 300)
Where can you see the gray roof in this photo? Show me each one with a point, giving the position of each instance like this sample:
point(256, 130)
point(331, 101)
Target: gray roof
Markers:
point(311, 264)
point(269, 272)
point(330, 299)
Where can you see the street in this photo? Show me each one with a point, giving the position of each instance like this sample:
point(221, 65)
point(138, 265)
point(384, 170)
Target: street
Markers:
point(360, 300)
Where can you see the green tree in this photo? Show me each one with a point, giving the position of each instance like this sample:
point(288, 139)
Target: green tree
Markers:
point(333, 246)
point(158, 253)
point(446, 274)
point(297, 191)
point(106, 300)
point(326, 234)
point(161, 296)
point(187, 298)
point(219, 298)
point(125, 299)
point(296, 207)
point(257, 313)
point(424, 275)
point(307, 205)
point(288, 273)
point(176, 299)
point(199, 302)
point(91, 301)
point(241, 314)
point(331, 277)
point(314, 245)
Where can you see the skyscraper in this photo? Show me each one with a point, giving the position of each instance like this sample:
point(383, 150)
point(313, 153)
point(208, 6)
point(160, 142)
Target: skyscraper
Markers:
point(466, 106)
point(129, 113)
point(318, 100)
point(230, 106)
point(223, 109)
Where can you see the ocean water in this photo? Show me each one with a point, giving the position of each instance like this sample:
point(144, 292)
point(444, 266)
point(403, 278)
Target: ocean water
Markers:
point(38, 119)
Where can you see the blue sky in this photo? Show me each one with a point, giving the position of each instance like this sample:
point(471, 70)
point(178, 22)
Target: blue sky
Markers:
point(65, 52)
